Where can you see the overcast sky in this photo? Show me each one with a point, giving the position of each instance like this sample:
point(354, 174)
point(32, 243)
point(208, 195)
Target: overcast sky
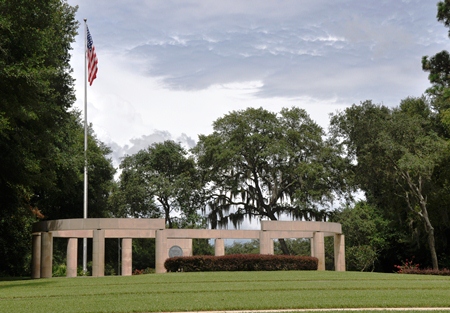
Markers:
point(168, 69)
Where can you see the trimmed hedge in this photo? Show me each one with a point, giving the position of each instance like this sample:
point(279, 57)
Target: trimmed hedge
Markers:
point(241, 262)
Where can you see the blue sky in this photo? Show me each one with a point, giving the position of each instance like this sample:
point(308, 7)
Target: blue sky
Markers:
point(168, 69)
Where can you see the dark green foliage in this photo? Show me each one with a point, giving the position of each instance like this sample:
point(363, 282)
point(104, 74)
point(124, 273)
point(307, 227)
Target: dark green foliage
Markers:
point(246, 247)
point(36, 91)
point(160, 181)
point(15, 242)
point(443, 14)
point(260, 164)
point(202, 247)
point(65, 198)
point(298, 246)
point(396, 154)
point(41, 138)
point(367, 235)
point(241, 262)
point(143, 253)
point(439, 77)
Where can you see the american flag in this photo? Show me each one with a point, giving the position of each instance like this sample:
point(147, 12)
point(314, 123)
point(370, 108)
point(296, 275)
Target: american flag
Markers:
point(91, 58)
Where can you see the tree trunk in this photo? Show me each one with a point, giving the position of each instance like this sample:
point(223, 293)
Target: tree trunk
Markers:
point(430, 232)
point(423, 214)
point(432, 246)
point(284, 246)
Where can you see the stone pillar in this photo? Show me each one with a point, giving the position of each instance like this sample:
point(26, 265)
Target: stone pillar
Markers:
point(339, 252)
point(219, 247)
point(36, 256)
point(46, 255)
point(161, 251)
point(127, 256)
point(98, 253)
point(190, 250)
point(319, 249)
point(311, 242)
point(265, 243)
point(72, 255)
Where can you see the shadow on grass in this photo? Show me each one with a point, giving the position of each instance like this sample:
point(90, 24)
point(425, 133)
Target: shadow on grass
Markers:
point(10, 282)
point(14, 278)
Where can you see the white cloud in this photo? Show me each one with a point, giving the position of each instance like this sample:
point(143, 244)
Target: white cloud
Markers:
point(169, 69)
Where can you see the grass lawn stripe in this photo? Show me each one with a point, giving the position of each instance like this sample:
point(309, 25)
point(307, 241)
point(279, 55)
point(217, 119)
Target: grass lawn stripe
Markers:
point(179, 292)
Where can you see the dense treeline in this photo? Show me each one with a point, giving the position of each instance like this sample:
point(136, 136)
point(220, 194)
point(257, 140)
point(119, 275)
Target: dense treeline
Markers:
point(255, 164)
point(41, 138)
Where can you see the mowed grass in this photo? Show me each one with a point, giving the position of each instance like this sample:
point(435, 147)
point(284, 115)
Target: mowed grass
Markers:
point(175, 292)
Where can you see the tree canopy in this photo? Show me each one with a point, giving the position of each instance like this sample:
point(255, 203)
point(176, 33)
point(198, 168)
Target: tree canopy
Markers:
point(396, 152)
point(439, 73)
point(367, 235)
point(160, 181)
point(263, 164)
point(255, 164)
point(41, 138)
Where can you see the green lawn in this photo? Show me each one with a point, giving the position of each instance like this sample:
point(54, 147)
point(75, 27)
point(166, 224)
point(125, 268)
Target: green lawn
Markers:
point(224, 291)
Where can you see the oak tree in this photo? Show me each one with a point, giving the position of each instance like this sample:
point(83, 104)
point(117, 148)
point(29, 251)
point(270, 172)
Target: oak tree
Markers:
point(260, 164)
point(160, 181)
point(395, 153)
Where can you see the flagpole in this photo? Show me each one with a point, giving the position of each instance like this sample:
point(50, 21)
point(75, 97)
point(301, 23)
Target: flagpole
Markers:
point(85, 197)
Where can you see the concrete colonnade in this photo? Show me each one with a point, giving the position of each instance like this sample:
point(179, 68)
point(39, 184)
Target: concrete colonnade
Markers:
point(126, 229)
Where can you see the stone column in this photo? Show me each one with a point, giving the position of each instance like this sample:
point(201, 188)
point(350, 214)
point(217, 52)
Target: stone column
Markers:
point(190, 250)
point(46, 255)
point(98, 253)
point(311, 242)
point(319, 249)
point(36, 256)
point(161, 251)
point(72, 254)
point(127, 256)
point(219, 247)
point(339, 252)
point(271, 246)
point(265, 243)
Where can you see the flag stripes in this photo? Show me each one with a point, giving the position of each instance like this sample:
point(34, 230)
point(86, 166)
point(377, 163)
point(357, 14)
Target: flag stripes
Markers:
point(91, 57)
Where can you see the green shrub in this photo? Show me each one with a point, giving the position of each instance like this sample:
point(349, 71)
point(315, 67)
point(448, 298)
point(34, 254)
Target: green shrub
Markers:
point(147, 270)
point(59, 270)
point(80, 271)
point(109, 270)
point(240, 262)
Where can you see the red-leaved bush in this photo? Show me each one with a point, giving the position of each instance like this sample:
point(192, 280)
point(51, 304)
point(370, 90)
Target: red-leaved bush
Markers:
point(409, 267)
point(240, 262)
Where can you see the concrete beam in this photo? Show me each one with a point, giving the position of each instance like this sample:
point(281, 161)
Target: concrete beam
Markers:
point(326, 227)
point(99, 223)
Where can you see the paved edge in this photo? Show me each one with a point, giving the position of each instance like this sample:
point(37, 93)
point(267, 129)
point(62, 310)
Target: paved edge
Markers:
point(324, 310)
